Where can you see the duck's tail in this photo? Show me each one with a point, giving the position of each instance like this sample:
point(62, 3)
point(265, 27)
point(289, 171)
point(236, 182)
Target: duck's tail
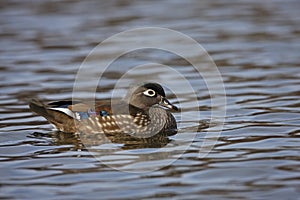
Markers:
point(59, 119)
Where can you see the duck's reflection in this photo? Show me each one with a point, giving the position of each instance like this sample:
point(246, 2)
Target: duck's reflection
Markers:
point(123, 141)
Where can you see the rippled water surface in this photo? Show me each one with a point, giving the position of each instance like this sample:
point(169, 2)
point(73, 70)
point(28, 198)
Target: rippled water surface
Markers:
point(255, 45)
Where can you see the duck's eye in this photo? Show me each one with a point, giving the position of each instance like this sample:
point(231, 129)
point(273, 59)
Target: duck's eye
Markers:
point(150, 93)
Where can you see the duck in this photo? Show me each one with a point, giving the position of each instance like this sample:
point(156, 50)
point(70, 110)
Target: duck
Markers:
point(143, 112)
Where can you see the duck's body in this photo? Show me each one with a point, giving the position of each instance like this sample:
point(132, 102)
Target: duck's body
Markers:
point(140, 113)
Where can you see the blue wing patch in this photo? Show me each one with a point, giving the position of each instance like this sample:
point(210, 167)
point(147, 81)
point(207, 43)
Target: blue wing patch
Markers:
point(90, 113)
point(82, 115)
point(103, 113)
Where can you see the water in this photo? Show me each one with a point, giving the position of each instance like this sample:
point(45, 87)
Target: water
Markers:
point(256, 48)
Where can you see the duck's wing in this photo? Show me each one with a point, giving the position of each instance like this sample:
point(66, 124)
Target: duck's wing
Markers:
point(66, 115)
point(57, 113)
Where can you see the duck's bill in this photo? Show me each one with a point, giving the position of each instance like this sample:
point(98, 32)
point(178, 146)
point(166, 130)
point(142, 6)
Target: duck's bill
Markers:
point(165, 103)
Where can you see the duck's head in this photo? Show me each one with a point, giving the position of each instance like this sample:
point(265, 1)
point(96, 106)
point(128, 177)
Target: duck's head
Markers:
point(147, 95)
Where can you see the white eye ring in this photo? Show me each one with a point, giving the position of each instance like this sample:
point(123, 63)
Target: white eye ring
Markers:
point(149, 93)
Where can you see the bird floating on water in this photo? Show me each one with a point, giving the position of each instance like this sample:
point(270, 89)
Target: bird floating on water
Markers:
point(144, 110)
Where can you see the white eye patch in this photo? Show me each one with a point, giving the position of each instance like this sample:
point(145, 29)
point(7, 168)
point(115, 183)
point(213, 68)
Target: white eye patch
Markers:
point(149, 93)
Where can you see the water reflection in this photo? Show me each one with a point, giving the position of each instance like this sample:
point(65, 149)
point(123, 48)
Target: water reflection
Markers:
point(83, 141)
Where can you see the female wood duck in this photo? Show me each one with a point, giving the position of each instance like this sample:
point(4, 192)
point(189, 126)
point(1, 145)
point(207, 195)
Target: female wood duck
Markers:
point(139, 113)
